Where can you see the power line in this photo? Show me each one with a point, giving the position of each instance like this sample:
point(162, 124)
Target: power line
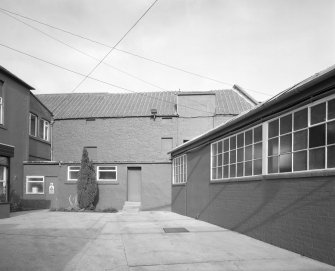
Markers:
point(130, 53)
point(122, 38)
point(84, 53)
point(80, 51)
point(98, 80)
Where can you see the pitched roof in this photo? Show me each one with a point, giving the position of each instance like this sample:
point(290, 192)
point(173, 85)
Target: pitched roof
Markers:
point(13, 76)
point(104, 105)
point(283, 96)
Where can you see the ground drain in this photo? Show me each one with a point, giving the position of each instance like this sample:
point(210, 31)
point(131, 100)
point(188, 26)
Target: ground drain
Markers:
point(175, 230)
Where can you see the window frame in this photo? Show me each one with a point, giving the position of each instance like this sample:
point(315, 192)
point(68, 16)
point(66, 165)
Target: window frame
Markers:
point(244, 145)
point(106, 180)
point(1, 111)
point(68, 173)
point(45, 134)
point(307, 128)
point(27, 181)
point(178, 176)
point(36, 124)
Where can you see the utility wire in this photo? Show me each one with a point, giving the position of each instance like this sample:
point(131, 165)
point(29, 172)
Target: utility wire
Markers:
point(130, 53)
point(122, 38)
point(84, 53)
point(80, 51)
point(97, 80)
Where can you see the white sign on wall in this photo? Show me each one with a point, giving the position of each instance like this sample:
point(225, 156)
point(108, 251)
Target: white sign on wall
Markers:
point(51, 188)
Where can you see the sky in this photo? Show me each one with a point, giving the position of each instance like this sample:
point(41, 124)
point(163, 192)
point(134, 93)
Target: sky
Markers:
point(264, 46)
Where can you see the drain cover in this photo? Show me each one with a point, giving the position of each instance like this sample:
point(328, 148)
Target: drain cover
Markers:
point(175, 230)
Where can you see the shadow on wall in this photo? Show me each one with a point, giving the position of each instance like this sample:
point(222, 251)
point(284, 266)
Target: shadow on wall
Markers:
point(299, 203)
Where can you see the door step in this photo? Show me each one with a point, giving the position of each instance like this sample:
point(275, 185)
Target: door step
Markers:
point(131, 207)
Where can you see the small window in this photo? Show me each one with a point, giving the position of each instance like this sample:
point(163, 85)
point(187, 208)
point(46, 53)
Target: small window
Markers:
point(318, 113)
point(44, 130)
point(35, 185)
point(1, 104)
point(32, 124)
point(107, 173)
point(180, 170)
point(73, 173)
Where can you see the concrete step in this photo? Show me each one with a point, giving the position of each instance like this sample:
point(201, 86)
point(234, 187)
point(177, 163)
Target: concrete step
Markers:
point(131, 207)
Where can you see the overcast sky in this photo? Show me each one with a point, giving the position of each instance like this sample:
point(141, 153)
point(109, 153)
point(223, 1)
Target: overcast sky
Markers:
point(261, 45)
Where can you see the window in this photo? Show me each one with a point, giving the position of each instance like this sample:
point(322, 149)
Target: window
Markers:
point(303, 140)
point(179, 170)
point(44, 129)
point(1, 104)
point(238, 155)
point(73, 173)
point(35, 185)
point(4, 164)
point(107, 173)
point(32, 124)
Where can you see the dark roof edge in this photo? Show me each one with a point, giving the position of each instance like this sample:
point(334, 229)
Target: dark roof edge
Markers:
point(286, 94)
point(245, 94)
point(17, 79)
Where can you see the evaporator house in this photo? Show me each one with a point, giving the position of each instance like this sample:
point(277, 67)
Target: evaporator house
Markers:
point(268, 173)
point(128, 137)
point(24, 136)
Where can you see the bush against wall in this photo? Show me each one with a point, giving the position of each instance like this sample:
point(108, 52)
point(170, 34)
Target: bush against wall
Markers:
point(87, 187)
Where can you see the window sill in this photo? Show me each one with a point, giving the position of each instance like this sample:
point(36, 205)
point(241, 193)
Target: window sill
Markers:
point(39, 139)
point(276, 176)
point(179, 184)
point(108, 182)
point(34, 193)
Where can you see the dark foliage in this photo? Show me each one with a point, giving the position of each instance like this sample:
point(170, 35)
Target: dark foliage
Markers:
point(87, 187)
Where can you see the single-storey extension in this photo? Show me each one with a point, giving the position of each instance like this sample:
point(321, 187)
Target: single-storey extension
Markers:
point(268, 173)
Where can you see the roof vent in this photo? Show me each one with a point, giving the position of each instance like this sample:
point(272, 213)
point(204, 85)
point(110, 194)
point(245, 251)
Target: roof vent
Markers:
point(153, 113)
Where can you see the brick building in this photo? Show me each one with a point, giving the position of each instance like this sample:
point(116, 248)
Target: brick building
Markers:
point(268, 173)
point(127, 137)
point(24, 136)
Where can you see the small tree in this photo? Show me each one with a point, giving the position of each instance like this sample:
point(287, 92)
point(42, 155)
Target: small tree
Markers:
point(87, 187)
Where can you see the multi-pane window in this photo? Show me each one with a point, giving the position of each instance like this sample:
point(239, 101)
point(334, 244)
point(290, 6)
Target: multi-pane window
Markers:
point(73, 173)
point(106, 173)
point(44, 129)
point(1, 104)
point(238, 155)
point(179, 169)
point(4, 165)
point(33, 124)
point(35, 185)
point(303, 139)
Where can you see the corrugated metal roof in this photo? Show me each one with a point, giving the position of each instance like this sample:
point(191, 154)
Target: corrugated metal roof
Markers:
point(104, 105)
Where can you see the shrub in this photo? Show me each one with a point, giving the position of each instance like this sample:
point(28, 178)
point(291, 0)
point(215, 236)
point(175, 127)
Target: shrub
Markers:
point(87, 187)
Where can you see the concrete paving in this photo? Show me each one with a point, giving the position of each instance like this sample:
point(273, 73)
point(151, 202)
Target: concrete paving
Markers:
point(44, 240)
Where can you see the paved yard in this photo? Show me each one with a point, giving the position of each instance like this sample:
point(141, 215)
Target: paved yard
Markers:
point(43, 240)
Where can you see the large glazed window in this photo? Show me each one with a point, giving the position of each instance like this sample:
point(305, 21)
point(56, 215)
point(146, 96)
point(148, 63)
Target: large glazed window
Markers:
point(303, 139)
point(106, 173)
point(238, 155)
point(179, 169)
point(35, 185)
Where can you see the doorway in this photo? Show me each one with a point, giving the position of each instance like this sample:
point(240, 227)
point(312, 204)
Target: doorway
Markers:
point(134, 184)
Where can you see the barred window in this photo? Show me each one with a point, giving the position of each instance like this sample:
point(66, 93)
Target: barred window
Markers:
point(238, 155)
point(179, 169)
